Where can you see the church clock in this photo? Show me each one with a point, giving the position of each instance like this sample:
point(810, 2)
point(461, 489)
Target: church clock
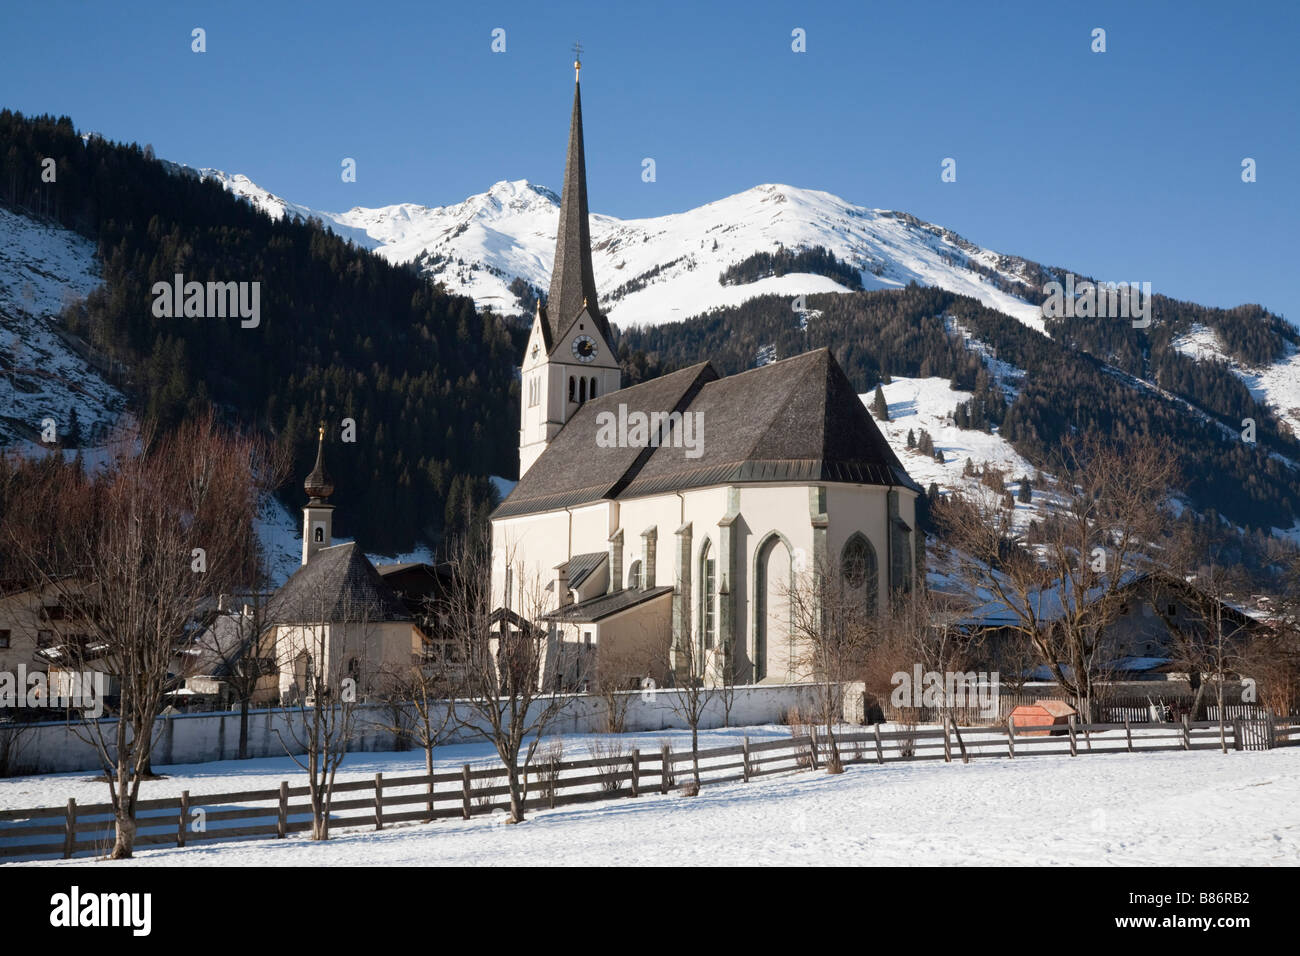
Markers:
point(584, 348)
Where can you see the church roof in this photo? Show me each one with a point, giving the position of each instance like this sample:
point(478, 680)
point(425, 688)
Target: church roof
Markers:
point(573, 282)
point(338, 585)
point(797, 420)
point(604, 605)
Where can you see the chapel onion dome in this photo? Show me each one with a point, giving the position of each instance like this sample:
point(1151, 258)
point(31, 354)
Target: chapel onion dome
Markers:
point(318, 484)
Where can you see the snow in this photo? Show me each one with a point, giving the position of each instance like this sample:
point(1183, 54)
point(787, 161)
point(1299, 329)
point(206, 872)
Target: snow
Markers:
point(1153, 809)
point(1276, 385)
point(928, 403)
point(43, 268)
point(489, 239)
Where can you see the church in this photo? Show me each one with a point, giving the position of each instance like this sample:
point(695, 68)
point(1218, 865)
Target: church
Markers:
point(686, 508)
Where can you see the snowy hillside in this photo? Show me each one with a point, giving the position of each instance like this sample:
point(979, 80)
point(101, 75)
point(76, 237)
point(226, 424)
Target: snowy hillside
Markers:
point(42, 268)
point(666, 268)
point(1277, 385)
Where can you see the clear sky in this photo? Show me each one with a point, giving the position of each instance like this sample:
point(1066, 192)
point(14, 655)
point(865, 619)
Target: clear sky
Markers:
point(1124, 164)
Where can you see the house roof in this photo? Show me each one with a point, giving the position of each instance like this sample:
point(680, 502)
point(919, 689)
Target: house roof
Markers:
point(797, 420)
point(338, 585)
point(604, 605)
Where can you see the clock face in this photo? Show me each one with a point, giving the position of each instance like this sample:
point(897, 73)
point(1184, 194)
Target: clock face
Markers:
point(584, 348)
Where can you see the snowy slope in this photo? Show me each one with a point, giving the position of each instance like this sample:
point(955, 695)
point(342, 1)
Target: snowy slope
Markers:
point(1276, 385)
point(43, 268)
point(477, 247)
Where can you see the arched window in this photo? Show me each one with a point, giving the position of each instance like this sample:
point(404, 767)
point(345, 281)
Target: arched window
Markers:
point(320, 534)
point(592, 391)
point(859, 570)
point(708, 584)
point(582, 390)
point(634, 575)
point(573, 389)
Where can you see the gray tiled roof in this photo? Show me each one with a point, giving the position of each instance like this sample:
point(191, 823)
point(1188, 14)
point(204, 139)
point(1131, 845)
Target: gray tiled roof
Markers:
point(604, 605)
point(797, 420)
point(338, 585)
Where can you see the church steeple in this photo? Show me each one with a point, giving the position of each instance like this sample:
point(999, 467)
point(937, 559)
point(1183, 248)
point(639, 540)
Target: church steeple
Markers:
point(318, 515)
point(570, 358)
point(573, 283)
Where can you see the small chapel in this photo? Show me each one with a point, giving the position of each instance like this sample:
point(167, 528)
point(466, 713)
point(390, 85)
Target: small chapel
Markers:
point(625, 542)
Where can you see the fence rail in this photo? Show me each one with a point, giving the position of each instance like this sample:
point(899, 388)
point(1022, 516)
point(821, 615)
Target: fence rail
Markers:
point(381, 801)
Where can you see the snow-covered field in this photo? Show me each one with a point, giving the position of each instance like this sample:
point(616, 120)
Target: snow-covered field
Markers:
point(1155, 809)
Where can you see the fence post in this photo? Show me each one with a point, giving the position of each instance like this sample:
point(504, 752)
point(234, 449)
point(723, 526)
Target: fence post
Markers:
point(282, 818)
point(812, 735)
point(1074, 743)
point(880, 753)
point(1187, 734)
point(70, 829)
point(1236, 734)
point(1011, 737)
point(183, 818)
point(379, 801)
point(956, 731)
point(947, 743)
point(744, 751)
point(636, 773)
point(465, 791)
point(1128, 734)
point(666, 769)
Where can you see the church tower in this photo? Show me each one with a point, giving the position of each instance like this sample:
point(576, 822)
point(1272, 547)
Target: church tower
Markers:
point(318, 515)
point(569, 357)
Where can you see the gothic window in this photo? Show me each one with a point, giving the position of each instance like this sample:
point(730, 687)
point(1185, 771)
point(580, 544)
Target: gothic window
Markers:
point(582, 390)
point(573, 389)
point(858, 568)
point(591, 393)
point(901, 557)
point(708, 622)
point(634, 575)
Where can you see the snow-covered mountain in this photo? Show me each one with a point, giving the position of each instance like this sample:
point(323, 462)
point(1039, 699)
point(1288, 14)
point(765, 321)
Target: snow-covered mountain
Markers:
point(666, 268)
point(43, 374)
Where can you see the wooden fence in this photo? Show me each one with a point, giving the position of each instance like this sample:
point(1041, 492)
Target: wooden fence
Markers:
point(171, 821)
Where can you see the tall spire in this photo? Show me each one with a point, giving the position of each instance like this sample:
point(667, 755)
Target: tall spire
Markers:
point(573, 283)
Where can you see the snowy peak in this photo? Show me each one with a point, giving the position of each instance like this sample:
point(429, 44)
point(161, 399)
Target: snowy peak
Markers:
point(668, 267)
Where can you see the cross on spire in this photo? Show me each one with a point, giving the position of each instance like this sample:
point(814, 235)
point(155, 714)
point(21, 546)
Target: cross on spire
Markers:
point(577, 59)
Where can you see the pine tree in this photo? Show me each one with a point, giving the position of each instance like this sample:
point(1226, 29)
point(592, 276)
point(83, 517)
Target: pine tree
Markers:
point(969, 469)
point(911, 439)
point(879, 407)
point(1026, 492)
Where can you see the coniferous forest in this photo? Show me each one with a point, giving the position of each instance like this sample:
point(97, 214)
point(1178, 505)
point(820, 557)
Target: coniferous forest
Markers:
point(428, 380)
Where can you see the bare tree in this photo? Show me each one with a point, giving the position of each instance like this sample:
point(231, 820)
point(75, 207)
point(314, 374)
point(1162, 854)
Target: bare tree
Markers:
point(319, 713)
point(421, 705)
point(504, 653)
point(132, 553)
point(1062, 587)
point(692, 695)
point(834, 632)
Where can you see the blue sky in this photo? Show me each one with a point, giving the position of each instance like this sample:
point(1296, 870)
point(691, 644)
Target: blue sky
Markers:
point(1124, 164)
